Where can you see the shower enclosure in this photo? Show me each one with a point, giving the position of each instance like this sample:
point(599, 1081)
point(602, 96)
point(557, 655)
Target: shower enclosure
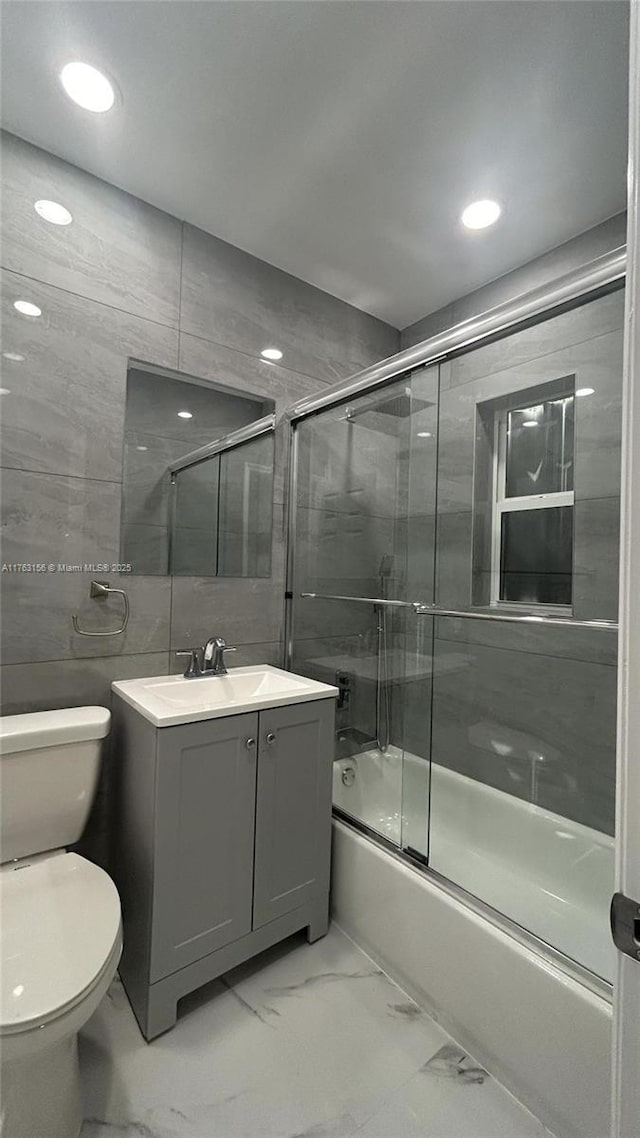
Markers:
point(453, 571)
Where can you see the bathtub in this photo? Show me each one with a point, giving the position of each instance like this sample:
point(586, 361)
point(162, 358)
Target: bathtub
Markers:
point(553, 876)
point(540, 1025)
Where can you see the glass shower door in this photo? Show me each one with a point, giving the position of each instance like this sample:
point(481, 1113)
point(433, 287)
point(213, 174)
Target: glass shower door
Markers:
point(420, 523)
point(481, 741)
point(523, 718)
point(352, 557)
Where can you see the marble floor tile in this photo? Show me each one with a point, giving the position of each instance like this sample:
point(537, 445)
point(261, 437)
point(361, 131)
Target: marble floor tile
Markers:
point(452, 1097)
point(303, 1042)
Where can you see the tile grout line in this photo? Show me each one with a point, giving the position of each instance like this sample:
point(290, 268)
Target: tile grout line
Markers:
point(89, 299)
point(533, 359)
point(170, 653)
point(325, 382)
point(117, 655)
point(523, 651)
point(505, 1090)
point(58, 474)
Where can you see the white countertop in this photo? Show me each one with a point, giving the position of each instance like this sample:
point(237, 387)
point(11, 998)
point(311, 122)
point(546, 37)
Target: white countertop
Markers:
point(167, 701)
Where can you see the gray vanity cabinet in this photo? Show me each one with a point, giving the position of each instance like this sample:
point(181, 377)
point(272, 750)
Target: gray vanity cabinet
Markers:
point(204, 825)
point(223, 831)
point(292, 851)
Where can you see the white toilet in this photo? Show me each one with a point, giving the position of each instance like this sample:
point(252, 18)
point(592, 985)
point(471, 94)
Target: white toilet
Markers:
point(60, 933)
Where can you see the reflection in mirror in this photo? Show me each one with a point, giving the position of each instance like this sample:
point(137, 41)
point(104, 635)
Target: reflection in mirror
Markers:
point(222, 507)
point(246, 505)
point(167, 416)
point(194, 526)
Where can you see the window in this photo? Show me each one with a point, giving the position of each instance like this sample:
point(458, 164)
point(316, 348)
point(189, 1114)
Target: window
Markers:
point(532, 525)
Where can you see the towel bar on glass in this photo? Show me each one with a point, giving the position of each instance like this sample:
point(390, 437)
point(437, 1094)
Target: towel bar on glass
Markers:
point(421, 609)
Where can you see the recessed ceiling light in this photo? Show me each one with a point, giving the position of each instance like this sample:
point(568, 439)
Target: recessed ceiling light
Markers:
point(185, 415)
point(584, 391)
point(4, 391)
point(87, 86)
point(142, 448)
point(530, 423)
point(15, 357)
point(480, 214)
point(26, 308)
point(53, 212)
point(424, 434)
point(271, 353)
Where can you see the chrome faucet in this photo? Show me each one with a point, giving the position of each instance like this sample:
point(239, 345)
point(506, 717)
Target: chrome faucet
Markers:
point(208, 660)
point(213, 656)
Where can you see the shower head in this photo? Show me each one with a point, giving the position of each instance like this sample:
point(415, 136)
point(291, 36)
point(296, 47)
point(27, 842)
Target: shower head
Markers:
point(391, 406)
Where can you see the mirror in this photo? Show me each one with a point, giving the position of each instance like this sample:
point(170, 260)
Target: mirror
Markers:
point(222, 507)
point(197, 479)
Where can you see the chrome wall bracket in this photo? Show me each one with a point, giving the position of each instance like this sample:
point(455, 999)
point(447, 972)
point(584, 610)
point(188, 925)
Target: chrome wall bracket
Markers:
point(100, 590)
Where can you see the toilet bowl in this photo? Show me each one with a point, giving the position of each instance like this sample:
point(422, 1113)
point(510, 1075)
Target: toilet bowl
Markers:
point(60, 936)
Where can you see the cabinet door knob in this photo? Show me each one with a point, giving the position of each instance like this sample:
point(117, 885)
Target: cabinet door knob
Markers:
point(250, 744)
point(270, 737)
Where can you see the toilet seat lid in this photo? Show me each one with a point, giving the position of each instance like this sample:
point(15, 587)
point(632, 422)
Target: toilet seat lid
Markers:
point(60, 922)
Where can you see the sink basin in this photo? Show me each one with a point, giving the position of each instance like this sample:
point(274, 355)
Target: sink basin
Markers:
point(170, 700)
point(210, 691)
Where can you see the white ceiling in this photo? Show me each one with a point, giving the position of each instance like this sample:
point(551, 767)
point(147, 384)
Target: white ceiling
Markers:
point(341, 140)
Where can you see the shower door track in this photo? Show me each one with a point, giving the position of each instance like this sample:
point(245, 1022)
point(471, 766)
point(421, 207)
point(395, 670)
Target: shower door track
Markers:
point(590, 280)
point(591, 980)
point(422, 609)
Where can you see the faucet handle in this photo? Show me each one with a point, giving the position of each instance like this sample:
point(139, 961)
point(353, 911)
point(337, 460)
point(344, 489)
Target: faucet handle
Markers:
point(219, 666)
point(193, 666)
point(222, 651)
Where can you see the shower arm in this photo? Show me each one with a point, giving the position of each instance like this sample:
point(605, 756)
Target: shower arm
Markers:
point(421, 609)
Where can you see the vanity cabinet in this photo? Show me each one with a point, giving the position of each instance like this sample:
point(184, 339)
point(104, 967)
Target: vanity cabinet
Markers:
point(223, 831)
point(203, 837)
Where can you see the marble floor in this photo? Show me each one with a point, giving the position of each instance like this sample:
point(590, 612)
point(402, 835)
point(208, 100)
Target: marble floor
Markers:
point(303, 1042)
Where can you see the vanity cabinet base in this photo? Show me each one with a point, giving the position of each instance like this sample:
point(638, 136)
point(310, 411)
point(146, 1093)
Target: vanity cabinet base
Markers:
point(155, 1005)
point(222, 844)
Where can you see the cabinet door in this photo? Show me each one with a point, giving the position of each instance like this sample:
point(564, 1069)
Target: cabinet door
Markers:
point(205, 815)
point(293, 808)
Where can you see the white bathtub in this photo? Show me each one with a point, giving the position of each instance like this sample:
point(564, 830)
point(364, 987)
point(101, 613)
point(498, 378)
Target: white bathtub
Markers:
point(540, 1028)
point(553, 876)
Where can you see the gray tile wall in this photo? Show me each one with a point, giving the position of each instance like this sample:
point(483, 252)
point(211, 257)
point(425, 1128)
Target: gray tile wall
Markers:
point(123, 281)
point(532, 711)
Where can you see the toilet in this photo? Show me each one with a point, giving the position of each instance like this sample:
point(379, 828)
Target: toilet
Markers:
point(60, 932)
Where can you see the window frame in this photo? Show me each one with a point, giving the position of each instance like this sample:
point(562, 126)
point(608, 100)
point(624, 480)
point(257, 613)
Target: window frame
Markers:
point(501, 504)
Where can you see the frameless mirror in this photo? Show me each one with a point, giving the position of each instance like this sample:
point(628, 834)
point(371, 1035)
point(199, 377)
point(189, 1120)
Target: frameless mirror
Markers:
point(197, 479)
point(221, 510)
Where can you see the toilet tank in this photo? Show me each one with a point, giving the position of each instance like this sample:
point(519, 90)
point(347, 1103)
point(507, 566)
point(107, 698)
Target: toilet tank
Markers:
point(49, 767)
